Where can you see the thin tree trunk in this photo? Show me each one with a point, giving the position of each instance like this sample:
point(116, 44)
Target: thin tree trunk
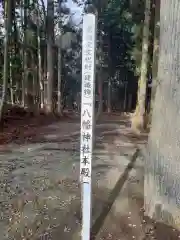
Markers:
point(50, 62)
point(45, 76)
point(109, 95)
point(162, 188)
point(59, 105)
point(13, 52)
point(100, 81)
point(8, 20)
point(125, 96)
point(44, 66)
point(155, 52)
point(40, 78)
point(25, 58)
point(35, 87)
point(100, 94)
point(16, 67)
point(150, 62)
point(22, 77)
point(99, 71)
point(138, 119)
point(110, 72)
point(11, 81)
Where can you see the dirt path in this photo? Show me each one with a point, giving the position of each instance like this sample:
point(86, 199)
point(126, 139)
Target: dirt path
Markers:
point(33, 177)
point(122, 217)
point(40, 192)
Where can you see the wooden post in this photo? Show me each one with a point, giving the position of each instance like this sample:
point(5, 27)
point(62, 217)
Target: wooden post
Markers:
point(87, 118)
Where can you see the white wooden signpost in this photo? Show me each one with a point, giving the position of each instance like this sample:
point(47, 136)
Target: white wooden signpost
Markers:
point(87, 118)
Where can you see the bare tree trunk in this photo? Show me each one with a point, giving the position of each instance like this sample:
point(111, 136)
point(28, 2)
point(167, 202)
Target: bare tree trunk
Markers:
point(25, 58)
point(59, 105)
point(155, 52)
point(16, 82)
point(162, 188)
point(138, 118)
point(11, 42)
point(13, 52)
point(110, 72)
point(22, 77)
point(109, 95)
point(44, 66)
point(125, 96)
point(50, 62)
point(8, 20)
point(100, 79)
point(11, 80)
point(100, 94)
point(150, 59)
point(35, 86)
point(40, 78)
point(100, 60)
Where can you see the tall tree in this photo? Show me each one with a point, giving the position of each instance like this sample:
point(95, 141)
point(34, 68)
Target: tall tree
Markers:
point(155, 52)
point(40, 68)
point(8, 21)
point(161, 189)
point(50, 59)
point(25, 55)
point(139, 115)
point(59, 88)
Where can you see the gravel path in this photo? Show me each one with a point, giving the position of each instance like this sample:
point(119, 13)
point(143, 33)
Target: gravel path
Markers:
point(40, 193)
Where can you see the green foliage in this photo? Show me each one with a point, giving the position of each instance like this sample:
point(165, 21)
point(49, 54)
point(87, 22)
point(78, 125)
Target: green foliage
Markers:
point(118, 41)
point(119, 37)
point(17, 40)
point(119, 25)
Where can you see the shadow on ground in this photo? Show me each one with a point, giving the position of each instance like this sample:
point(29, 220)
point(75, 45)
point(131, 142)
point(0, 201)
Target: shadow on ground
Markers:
point(125, 219)
point(112, 197)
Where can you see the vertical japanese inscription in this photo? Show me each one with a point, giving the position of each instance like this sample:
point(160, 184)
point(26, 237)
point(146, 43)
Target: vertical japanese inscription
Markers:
point(87, 97)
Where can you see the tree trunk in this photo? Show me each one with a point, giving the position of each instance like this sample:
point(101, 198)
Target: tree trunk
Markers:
point(25, 58)
point(59, 105)
point(11, 79)
point(59, 101)
point(125, 96)
point(99, 7)
point(162, 162)
point(12, 53)
point(138, 119)
point(50, 62)
point(100, 95)
point(109, 96)
point(15, 73)
point(35, 86)
point(44, 63)
point(110, 72)
point(8, 20)
point(155, 52)
point(40, 78)
point(150, 61)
